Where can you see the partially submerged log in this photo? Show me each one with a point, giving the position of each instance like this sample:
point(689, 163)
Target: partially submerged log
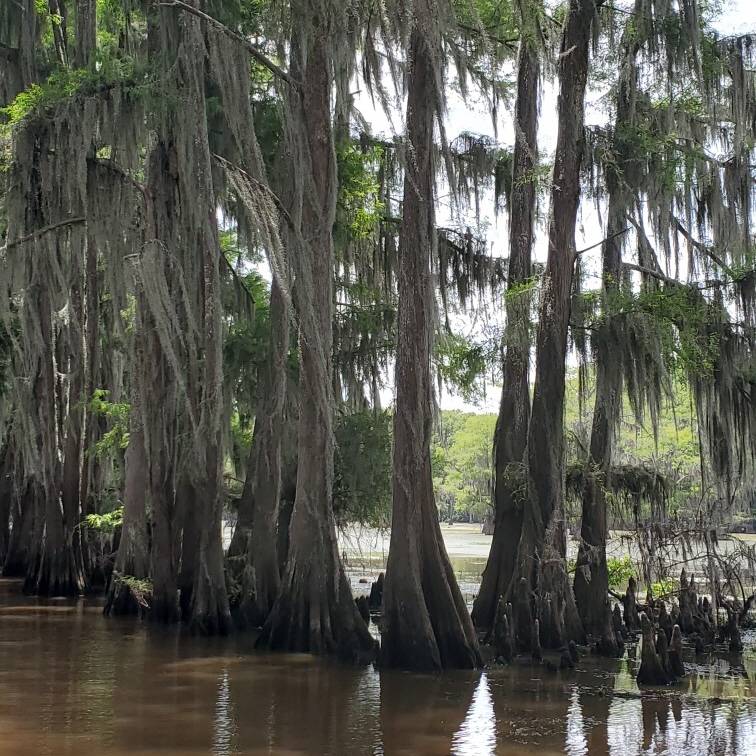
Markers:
point(651, 670)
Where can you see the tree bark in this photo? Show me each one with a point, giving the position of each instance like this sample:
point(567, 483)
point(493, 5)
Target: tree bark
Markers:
point(591, 583)
point(264, 489)
point(187, 498)
point(132, 557)
point(315, 611)
point(89, 423)
point(210, 613)
point(6, 494)
point(17, 558)
point(86, 32)
point(73, 457)
point(158, 385)
point(426, 625)
point(510, 435)
point(541, 553)
point(53, 569)
point(19, 65)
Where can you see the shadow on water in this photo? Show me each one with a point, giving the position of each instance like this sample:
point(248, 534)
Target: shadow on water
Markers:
point(73, 683)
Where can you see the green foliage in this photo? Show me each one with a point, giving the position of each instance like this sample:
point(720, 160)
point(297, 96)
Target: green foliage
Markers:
point(359, 205)
point(665, 588)
point(462, 459)
point(362, 468)
point(692, 346)
point(105, 524)
point(526, 288)
point(58, 86)
point(620, 571)
point(140, 588)
point(461, 363)
point(117, 437)
point(113, 68)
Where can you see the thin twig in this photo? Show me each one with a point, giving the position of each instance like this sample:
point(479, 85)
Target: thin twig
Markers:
point(257, 54)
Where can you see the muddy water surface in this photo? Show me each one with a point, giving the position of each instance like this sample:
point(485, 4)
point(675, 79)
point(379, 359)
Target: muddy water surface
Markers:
point(73, 683)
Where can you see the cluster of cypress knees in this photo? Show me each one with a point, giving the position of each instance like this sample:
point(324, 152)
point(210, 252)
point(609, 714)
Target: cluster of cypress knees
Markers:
point(661, 631)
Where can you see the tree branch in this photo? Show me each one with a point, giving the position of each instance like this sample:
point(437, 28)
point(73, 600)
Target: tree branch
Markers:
point(701, 247)
point(603, 241)
point(42, 231)
point(658, 275)
point(257, 54)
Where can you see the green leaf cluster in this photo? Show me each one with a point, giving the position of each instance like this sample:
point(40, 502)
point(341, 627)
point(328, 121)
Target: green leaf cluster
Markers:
point(105, 524)
point(117, 437)
point(359, 206)
point(362, 468)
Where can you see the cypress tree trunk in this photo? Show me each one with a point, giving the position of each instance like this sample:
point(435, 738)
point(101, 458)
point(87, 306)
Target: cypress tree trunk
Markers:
point(19, 61)
point(591, 575)
point(264, 490)
point(53, 568)
point(210, 613)
point(591, 583)
point(426, 625)
point(132, 558)
point(86, 32)
point(72, 444)
point(541, 555)
point(6, 494)
point(16, 563)
point(159, 386)
point(510, 435)
point(315, 611)
point(188, 500)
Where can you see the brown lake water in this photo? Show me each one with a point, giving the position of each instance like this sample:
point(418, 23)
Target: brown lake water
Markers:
point(74, 683)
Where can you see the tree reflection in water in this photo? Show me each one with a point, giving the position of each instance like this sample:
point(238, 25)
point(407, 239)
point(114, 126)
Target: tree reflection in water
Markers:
point(72, 683)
